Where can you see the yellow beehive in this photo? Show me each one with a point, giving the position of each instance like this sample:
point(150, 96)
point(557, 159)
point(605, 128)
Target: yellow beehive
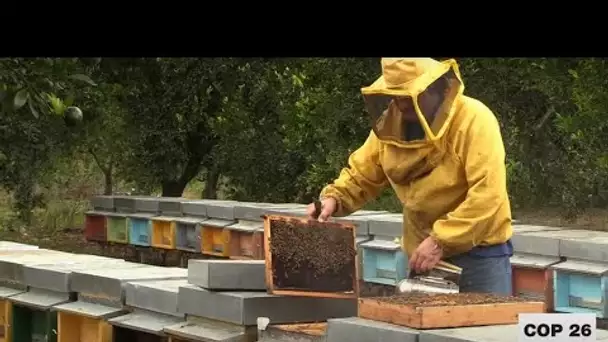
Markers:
point(163, 232)
point(77, 328)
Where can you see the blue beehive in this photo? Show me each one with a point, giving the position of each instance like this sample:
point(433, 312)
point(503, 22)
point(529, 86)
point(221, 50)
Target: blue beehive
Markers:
point(140, 229)
point(383, 259)
point(140, 222)
point(580, 283)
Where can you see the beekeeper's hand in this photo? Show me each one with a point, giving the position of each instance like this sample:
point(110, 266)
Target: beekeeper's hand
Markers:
point(426, 256)
point(328, 207)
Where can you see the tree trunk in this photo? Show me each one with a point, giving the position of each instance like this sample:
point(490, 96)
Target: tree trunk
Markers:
point(213, 177)
point(173, 188)
point(107, 173)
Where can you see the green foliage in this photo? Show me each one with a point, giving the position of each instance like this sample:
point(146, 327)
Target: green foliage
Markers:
point(274, 130)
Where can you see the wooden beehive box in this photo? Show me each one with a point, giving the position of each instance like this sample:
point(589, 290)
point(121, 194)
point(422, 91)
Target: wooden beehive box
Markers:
point(579, 286)
point(163, 232)
point(140, 229)
point(532, 278)
point(95, 226)
point(433, 311)
point(246, 240)
point(309, 258)
point(117, 229)
point(76, 328)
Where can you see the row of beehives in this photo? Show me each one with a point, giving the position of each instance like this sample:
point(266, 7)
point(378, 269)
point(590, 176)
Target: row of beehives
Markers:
point(47, 295)
point(234, 229)
point(567, 268)
point(550, 263)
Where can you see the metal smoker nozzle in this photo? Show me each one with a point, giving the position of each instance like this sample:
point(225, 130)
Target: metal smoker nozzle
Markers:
point(427, 285)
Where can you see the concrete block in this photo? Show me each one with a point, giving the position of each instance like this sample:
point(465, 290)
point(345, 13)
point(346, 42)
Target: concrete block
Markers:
point(548, 242)
point(221, 210)
point(297, 211)
point(593, 247)
point(156, 296)
point(388, 225)
point(12, 265)
point(103, 203)
point(361, 223)
point(255, 211)
point(207, 330)
point(149, 322)
point(16, 246)
point(194, 208)
point(217, 274)
point(57, 277)
point(243, 308)
point(355, 329)
point(125, 204)
point(171, 206)
point(106, 286)
point(524, 228)
point(147, 204)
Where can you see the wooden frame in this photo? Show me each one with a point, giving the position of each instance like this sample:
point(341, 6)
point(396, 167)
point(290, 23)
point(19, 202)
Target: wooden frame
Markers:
point(433, 317)
point(272, 289)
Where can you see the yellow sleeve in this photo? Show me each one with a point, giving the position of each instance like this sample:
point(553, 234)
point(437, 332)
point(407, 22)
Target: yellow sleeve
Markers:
point(483, 154)
point(360, 182)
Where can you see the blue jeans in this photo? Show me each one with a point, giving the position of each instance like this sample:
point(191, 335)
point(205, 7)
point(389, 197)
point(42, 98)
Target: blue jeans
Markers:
point(484, 274)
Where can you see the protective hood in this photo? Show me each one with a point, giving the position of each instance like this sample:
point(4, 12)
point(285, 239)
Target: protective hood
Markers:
point(432, 89)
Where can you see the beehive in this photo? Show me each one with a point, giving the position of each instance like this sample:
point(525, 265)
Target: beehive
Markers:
point(140, 229)
point(95, 226)
point(154, 305)
point(383, 259)
point(163, 232)
point(101, 295)
point(117, 228)
point(188, 234)
point(246, 240)
point(533, 278)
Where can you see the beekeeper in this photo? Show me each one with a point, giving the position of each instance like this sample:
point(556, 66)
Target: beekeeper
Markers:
point(442, 153)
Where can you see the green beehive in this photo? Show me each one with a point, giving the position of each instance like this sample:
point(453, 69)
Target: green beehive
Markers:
point(31, 325)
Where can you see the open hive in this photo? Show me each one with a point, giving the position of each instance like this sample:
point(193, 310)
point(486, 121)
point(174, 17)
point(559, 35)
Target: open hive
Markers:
point(309, 258)
point(429, 311)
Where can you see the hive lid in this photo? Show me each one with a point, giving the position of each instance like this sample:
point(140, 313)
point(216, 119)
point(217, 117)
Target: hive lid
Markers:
point(200, 329)
point(149, 322)
point(6, 292)
point(166, 218)
point(580, 266)
point(40, 299)
point(247, 226)
point(533, 260)
point(141, 215)
point(217, 223)
point(190, 220)
point(91, 310)
point(381, 244)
